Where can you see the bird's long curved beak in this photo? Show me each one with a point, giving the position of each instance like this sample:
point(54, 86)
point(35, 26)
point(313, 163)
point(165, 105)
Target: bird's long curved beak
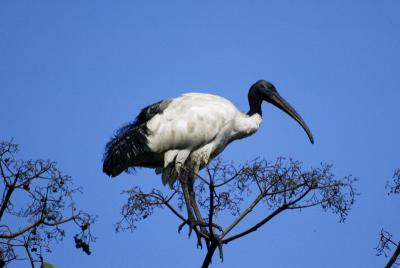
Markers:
point(276, 99)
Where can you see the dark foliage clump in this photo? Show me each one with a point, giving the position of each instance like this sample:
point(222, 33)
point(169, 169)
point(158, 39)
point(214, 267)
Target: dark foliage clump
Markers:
point(39, 198)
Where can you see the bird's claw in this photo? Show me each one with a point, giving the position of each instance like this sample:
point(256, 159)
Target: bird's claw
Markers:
point(181, 226)
point(199, 244)
point(192, 226)
point(202, 225)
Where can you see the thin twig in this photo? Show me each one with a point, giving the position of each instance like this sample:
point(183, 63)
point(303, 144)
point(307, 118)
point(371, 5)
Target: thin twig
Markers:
point(35, 224)
point(174, 211)
point(255, 227)
point(72, 218)
point(307, 206)
point(394, 257)
point(211, 210)
point(241, 216)
point(229, 180)
point(29, 255)
point(8, 196)
point(3, 174)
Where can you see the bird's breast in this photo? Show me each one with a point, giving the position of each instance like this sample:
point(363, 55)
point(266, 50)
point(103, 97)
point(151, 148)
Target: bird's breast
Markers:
point(190, 122)
point(245, 125)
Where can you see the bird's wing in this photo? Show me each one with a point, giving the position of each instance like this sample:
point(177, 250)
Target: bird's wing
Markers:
point(130, 141)
point(150, 111)
point(189, 122)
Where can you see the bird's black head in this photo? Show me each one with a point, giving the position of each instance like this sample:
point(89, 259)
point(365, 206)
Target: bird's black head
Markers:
point(258, 92)
point(263, 84)
point(265, 91)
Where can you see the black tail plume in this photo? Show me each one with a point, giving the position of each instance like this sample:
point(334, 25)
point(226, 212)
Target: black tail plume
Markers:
point(130, 142)
point(123, 150)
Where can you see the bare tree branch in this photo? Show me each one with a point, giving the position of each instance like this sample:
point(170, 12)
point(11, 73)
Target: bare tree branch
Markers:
point(394, 257)
point(386, 240)
point(241, 216)
point(38, 197)
point(255, 227)
point(10, 190)
point(223, 190)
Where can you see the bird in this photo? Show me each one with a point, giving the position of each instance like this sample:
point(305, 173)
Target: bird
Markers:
point(178, 137)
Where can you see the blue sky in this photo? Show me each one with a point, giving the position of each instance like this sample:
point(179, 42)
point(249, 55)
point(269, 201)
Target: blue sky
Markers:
point(72, 72)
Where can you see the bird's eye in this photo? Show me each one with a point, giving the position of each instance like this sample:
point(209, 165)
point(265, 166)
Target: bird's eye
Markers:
point(270, 86)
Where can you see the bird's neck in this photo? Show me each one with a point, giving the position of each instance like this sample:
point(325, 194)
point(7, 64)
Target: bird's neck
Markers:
point(255, 103)
point(246, 125)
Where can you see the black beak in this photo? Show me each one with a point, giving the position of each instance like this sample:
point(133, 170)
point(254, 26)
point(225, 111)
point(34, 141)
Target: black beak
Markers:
point(274, 98)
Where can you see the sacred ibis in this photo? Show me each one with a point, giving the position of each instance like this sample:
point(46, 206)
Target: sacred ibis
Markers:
point(177, 137)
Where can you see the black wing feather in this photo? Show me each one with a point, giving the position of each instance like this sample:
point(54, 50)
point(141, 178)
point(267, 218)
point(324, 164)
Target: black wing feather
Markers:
point(130, 141)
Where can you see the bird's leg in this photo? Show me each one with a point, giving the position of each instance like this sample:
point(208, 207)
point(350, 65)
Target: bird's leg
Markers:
point(196, 210)
point(192, 177)
point(186, 195)
point(191, 221)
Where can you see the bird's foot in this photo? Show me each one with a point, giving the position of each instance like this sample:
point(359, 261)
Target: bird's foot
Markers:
point(193, 224)
point(203, 225)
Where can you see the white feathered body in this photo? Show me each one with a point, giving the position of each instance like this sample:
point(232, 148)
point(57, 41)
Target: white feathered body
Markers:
point(195, 128)
point(182, 134)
